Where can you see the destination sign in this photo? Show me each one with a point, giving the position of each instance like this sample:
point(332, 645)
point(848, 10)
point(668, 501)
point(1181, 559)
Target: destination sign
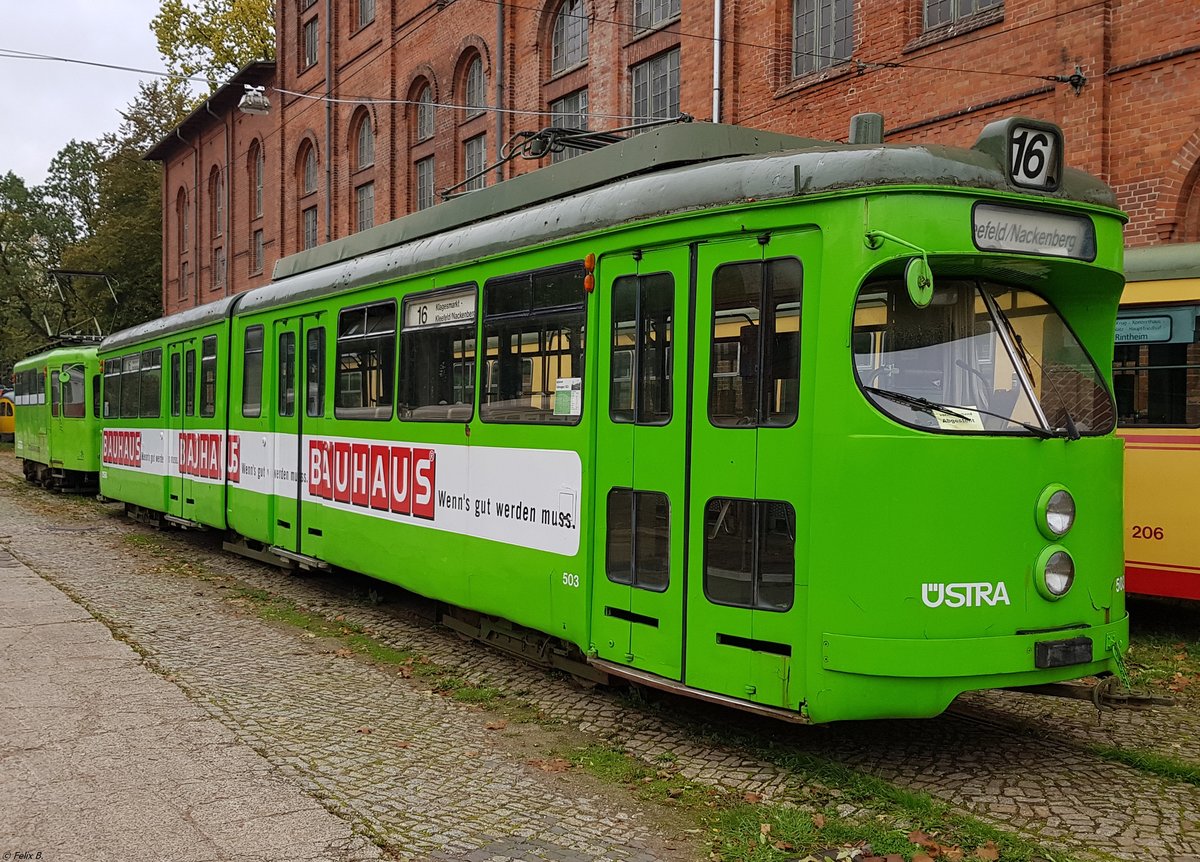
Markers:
point(1143, 330)
point(997, 228)
point(445, 308)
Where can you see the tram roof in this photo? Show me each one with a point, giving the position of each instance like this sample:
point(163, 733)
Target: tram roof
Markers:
point(670, 169)
point(1163, 262)
point(200, 315)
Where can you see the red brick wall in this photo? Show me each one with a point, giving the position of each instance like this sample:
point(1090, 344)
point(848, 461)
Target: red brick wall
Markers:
point(1134, 123)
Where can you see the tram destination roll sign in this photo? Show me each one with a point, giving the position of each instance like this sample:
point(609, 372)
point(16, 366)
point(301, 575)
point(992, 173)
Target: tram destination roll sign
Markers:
point(997, 228)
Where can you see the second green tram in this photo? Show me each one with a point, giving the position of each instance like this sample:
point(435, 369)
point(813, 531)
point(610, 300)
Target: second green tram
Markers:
point(57, 423)
point(814, 430)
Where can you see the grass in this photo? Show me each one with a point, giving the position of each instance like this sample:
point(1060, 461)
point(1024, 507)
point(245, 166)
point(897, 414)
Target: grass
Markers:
point(1148, 761)
point(743, 829)
point(1164, 654)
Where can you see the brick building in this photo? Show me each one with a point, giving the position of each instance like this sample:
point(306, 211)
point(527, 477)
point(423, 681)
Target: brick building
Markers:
point(371, 111)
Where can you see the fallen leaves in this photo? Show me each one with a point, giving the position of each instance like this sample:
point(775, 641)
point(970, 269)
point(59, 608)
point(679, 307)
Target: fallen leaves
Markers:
point(344, 653)
point(498, 724)
point(752, 797)
point(935, 851)
point(553, 764)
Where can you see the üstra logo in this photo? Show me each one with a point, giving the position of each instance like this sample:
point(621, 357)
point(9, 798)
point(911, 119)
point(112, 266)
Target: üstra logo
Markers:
point(964, 595)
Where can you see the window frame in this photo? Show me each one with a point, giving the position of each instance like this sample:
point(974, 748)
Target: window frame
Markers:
point(825, 17)
point(252, 409)
point(475, 87)
point(758, 505)
point(404, 409)
point(636, 499)
point(387, 364)
point(208, 409)
point(532, 313)
point(649, 67)
point(310, 39)
point(569, 26)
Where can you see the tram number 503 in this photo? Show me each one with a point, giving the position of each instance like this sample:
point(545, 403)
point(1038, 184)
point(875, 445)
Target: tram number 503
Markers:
point(570, 580)
point(1033, 155)
point(1147, 532)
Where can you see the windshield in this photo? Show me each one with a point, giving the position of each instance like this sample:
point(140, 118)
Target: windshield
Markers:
point(981, 357)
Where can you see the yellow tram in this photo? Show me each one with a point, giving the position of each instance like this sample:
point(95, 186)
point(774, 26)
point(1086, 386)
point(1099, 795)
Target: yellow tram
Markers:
point(1156, 381)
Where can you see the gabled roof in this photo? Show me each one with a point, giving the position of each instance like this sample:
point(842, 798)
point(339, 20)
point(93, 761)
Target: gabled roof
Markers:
point(225, 99)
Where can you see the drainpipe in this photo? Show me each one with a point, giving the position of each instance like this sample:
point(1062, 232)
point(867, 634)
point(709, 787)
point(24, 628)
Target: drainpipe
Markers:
point(328, 120)
point(499, 89)
point(716, 102)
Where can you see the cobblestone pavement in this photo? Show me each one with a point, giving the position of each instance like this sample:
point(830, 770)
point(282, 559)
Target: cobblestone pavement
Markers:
point(105, 760)
point(999, 757)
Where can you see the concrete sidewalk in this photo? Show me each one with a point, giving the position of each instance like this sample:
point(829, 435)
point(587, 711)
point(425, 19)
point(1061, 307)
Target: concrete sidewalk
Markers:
point(101, 758)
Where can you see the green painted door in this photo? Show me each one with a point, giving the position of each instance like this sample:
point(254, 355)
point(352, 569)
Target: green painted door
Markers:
point(182, 406)
point(641, 440)
point(747, 471)
point(285, 410)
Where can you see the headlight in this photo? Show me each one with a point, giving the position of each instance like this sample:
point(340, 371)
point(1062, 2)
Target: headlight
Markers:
point(1055, 512)
point(1054, 573)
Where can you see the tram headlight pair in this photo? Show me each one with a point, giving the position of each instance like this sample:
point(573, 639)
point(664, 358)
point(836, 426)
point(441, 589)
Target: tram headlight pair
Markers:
point(1055, 569)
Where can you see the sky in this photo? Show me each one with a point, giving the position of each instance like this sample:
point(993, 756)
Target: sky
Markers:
point(44, 104)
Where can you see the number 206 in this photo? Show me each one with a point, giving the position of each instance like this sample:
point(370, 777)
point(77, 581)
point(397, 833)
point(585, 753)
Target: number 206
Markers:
point(1147, 532)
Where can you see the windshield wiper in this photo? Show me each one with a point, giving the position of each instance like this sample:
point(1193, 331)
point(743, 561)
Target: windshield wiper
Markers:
point(1071, 431)
point(927, 406)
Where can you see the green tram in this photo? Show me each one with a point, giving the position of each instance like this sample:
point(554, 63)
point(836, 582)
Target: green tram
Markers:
point(810, 429)
point(57, 423)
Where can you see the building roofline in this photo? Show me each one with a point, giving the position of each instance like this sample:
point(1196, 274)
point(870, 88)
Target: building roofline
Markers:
point(226, 97)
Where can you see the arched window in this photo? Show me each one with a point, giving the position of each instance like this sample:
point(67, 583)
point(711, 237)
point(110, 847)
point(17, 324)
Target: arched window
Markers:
point(216, 201)
point(309, 175)
point(255, 167)
point(425, 113)
point(365, 142)
point(184, 216)
point(569, 44)
point(476, 84)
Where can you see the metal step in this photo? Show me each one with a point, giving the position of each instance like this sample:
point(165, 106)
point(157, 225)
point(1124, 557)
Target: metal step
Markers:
point(303, 560)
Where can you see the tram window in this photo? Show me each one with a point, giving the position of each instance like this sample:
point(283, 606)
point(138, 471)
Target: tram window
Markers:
point(131, 366)
point(638, 541)
point(96, 395)
point(366, 362)
point(189, 383)
point(287, 373)
point(74, 395)
point(151, 382)
point(437, 356)
point(315, 374)
point(208, 377)
point(112, 388)
point(750, 553)
point(755, 358)
point(55, 398)
point(999, 357)
point(252, 372)
point(533, 331)
point(175, 384)
point(1156, 382)
point(643, 312)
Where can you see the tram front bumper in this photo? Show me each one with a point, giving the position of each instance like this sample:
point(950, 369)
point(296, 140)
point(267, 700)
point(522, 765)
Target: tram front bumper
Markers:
point(974, 657)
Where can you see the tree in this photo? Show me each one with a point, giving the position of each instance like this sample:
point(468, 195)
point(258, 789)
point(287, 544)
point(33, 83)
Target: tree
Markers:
point(70, 189)
point(126, 238)
point(29, 239)
point(212, 39)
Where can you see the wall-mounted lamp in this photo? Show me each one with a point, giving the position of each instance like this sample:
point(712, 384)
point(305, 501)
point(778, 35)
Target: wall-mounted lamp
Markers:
point(254, 101)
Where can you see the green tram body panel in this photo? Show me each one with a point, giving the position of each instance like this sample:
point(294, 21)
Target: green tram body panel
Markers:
point(513, 519)
point(57, 424)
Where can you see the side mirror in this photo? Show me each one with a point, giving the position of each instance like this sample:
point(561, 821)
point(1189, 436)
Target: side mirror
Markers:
point(918, 278)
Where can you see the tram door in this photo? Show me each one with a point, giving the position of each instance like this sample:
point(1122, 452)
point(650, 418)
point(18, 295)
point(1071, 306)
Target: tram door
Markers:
point(181, 409)
point(285, 517)
point(749, 477)
point(299, 349)
point(637, 607)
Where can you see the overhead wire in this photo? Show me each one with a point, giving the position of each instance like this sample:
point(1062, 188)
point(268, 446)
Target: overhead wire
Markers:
point(857, 67)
